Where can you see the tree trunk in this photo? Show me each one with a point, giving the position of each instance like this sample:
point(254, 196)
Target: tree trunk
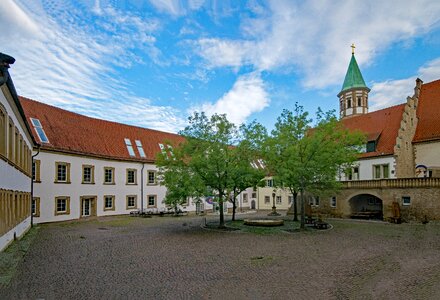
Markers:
point(234, 206)
point(303, 215)
point(220, 205)
point(295, 206)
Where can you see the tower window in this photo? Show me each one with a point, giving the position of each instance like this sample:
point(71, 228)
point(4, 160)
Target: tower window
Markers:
point(359, 101)
point(348, 102)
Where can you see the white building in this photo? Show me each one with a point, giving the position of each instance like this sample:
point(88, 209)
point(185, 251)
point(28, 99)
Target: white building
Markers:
point(90, 167)
point(15, 161)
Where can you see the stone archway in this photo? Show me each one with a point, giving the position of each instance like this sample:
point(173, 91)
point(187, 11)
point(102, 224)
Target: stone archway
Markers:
point(366, 206)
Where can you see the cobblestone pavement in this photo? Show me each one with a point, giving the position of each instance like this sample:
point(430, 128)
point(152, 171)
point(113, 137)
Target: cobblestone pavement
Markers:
point(174, 258)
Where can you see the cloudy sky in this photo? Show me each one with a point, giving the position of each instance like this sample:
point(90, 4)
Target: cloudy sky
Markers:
point(152, 63)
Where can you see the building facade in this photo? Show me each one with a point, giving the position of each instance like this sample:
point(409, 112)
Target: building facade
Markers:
point(15, 161)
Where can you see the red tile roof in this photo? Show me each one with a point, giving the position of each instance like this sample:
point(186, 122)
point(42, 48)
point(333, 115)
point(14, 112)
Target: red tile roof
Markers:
point(74, 133)
point(381, 125)
point(428, 113)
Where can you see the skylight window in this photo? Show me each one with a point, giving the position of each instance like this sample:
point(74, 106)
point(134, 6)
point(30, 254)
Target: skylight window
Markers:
point(129, 147)
point(170, 149)
point(39, 129)
point(140, 148)
point(162, 149)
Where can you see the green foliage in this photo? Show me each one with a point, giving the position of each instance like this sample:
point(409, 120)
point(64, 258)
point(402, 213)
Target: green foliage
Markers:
point(309, 159)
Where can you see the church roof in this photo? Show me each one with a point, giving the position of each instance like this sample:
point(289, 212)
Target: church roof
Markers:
point(428, 113)
point(381, 126)
point(74, 133)
point(353, 78)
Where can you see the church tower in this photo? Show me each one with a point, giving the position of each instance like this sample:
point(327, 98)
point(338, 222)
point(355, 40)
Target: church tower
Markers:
point(353, 98)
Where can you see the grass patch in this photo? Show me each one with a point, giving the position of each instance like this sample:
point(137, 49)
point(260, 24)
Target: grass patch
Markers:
point(12, 256)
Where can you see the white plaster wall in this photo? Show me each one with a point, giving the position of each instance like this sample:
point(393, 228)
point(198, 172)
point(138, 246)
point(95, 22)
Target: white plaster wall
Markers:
point(47, 190)
point(18, 230)
point(428, 154)
point(366, 167)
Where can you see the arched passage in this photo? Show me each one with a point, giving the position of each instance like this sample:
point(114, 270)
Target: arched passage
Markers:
point(366, 206)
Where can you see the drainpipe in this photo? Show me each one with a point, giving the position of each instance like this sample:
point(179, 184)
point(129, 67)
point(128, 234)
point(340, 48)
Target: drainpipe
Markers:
point(142, 188)
point(32, 186)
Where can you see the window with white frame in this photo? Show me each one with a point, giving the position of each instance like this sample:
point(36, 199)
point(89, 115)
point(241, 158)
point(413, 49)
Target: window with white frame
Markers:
point(151, 177)
point(279, 200)
point(290, 199)
point(245, 198)
point(88, 174)
point(109, 177)
point(62, 205)
point(62, 174)
point(381, 171)
point(109, 202)
point(406, 200)
point(131, 201)
point(140, 148)
point(131, 176)
point(151, 200)
point(269, 183)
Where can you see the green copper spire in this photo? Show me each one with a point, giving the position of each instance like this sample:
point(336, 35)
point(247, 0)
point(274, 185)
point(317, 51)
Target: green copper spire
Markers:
point(353, 78)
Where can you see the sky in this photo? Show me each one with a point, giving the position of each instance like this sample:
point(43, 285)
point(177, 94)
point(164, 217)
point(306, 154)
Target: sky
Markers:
point(153, 63)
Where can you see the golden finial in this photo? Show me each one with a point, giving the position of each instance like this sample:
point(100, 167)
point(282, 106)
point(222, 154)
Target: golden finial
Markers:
point(352, 48)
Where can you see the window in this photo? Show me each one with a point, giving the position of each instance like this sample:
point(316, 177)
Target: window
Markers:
point(39, 129)
point(151, 178)
point(359, 101)
point(269, 183)
point(381, 171)
point(170, 149)
point(406, 200)
point(36, 170)
point(151, 200)
point(352, 173)
point(348, 102)
point(131, 201)
point(162, 149)
point(131, 176)
point(371, 146)
point(109, 177)
point(333, 201)
point(62, 172)
point(266, 199)
point(254, 195)
point(140, 148)
point(88, 175)
point(279, 200)
point(290, 199)
point(11, 140)
point(62, 205)
point(245, 198)
point(314, 201)
point(109, 202)
point(129, 147)
point(36, 206)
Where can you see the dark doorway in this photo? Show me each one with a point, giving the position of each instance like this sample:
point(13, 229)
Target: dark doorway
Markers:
point(366, 206)
point(253, 204)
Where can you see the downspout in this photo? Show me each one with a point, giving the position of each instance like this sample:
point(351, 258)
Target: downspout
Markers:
point(32, 186)
point(142, 188)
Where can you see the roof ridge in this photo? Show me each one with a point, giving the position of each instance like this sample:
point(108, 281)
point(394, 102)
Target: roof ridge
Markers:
point(94, 118)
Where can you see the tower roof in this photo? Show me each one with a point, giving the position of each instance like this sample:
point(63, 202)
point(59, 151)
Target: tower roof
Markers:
point(353, 78)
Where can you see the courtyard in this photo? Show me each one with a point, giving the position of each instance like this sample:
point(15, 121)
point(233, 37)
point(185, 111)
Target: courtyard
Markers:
point(174, 258)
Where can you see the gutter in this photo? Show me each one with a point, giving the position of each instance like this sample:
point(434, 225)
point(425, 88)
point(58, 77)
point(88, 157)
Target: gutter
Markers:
point(32, 187)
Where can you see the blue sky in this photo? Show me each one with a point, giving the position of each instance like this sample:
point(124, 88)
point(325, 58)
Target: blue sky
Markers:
point(152, 63)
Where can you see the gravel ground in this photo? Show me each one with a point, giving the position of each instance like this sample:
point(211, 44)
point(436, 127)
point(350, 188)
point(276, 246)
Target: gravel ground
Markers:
point(174, 258)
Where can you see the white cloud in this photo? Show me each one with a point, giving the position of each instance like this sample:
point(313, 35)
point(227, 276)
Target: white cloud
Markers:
point(73, 65)
point(392, 92)
point(314, 36)
point(247, 96)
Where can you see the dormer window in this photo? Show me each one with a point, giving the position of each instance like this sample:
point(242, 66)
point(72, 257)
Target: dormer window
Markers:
point(371, 146)
point(39, 129)
point(129, 147)
point(140, 148)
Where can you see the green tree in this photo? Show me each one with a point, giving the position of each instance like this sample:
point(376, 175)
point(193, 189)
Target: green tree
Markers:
point(307, 159)
point(175, 174)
